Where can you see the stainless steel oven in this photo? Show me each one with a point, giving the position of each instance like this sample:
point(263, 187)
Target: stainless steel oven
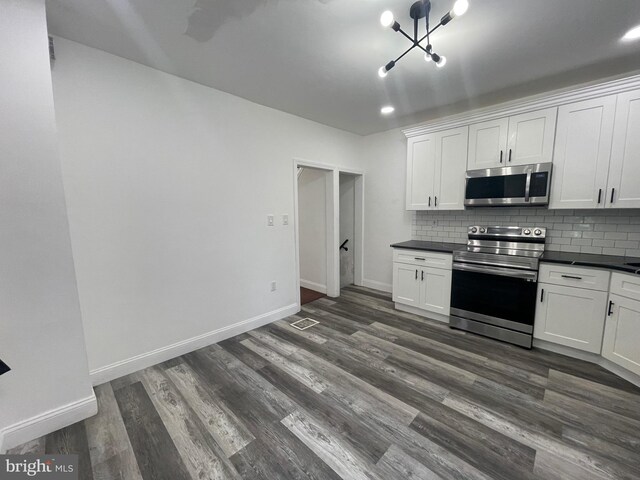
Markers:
point(493, 291)
point(519, 185)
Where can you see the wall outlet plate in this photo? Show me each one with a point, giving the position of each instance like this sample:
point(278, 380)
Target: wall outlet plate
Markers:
point(270, 220)
point(285, 219)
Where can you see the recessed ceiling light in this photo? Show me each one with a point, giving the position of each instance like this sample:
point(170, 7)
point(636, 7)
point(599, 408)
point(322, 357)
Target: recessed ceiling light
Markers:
point(632, 34)
point(387, 110)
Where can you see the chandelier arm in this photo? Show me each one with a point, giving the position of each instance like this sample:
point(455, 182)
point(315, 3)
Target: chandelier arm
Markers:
point(430, 32)
point(412, 40)
point(406, 51)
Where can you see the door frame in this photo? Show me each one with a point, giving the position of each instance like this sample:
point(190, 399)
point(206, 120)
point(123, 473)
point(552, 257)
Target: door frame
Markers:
point(332, 209)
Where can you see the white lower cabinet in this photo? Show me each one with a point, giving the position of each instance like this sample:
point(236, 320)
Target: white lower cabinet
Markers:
point(423, 287)
point(570, 316)
point(621, 343)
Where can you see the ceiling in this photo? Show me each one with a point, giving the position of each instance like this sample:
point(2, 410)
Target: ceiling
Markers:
point(319, 58)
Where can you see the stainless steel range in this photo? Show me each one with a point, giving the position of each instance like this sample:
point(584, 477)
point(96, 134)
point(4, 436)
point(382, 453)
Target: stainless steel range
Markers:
point(493, 292)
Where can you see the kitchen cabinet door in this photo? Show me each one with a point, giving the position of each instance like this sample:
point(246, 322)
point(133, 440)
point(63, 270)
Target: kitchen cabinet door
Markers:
point(581, 154)
point(622, 333)
point(624, 170)
point(488, 144)
point(451, 165)
point(570, 316)
point(421, 170)
point(406, 284)
point(435, 290)
point(531, 137)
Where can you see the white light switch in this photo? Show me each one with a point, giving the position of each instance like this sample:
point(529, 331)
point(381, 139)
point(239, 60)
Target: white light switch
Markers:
point(270, 220)
point(285, 219)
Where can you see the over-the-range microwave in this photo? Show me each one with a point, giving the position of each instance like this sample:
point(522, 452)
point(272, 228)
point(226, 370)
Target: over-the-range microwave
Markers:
point(521, 185)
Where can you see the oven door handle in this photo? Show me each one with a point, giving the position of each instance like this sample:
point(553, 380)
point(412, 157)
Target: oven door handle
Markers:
point(503, 272)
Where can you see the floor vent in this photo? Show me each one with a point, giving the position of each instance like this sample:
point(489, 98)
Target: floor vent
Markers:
point(304, 323)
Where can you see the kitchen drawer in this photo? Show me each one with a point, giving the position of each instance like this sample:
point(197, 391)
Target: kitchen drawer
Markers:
point(569, 276)
point(423, 259)
point(626, 285)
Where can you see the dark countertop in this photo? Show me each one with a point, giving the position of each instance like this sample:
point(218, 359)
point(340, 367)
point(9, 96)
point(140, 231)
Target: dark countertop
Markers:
point(431, 246)
point(610, 262)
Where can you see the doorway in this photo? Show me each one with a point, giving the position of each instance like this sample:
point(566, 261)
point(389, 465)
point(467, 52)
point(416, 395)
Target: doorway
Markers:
point(318, 239)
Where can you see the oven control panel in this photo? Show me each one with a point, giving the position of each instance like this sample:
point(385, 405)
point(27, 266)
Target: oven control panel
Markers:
point(510, 232)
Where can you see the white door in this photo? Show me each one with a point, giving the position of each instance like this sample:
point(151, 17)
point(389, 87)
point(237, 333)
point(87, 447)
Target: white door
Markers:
point(435, 290)
point(570, 316)
point(582, 152)
point(622, 334)
point(488, 144)
point(451, 164)
point(624, 172)
point(531, 137)
point(406, 284)
point(421, 169)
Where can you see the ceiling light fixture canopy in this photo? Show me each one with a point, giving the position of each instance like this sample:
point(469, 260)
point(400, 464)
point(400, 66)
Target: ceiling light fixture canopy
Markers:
point(419, 10)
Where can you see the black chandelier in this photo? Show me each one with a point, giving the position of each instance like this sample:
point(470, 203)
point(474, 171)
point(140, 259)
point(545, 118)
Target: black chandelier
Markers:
point(419, 10)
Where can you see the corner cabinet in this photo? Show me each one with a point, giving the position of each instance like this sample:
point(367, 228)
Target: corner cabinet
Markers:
point(516, 140)
point(621, 343)
point(422, 280)
point(436, 165)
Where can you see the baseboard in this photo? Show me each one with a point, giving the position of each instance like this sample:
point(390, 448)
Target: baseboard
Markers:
point(47, 422)
point(316, 287)
point(384, 287)
point(423, 313)
point(589, 357)
point(144, 360)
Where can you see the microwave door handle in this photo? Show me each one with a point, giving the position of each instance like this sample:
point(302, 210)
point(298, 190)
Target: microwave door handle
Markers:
point(527, 187)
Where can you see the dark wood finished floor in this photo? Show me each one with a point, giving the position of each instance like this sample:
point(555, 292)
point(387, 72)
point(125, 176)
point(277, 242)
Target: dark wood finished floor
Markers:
point(369, 393)
point(308, 296)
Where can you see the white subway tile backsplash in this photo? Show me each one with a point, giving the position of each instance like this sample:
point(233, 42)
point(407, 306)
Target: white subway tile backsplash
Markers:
point(602, 231)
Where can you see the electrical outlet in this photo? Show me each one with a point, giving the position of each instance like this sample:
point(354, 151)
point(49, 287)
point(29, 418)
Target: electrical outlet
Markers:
point(274, 286)
point(270, 220)
point(285, 219)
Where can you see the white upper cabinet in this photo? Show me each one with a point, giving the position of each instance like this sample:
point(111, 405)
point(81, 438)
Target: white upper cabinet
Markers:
point(421, 170)
point(488, 144)
point(436, 164)
point(531, 137)
point(624, 170)
point(451, 165)
point(581, 156)
point(516, 140)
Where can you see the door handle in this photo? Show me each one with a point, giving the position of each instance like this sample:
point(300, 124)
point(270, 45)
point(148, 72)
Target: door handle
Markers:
point(501, 156)
point(610, 311)
point(509, 154)
point(422, 276)
point(613, 191)
point(416, 273)
point(599, 196)
point(541, 295)
point(436, 202)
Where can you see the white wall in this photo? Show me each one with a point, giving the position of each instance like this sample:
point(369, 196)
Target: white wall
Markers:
point(168, 186)
point(41, 334)
point(347, 230)
point(386, 220)
point(312, 228)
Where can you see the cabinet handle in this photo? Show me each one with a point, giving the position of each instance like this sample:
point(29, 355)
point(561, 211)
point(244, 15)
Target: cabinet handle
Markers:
point(613, 191)
point(436, 203)
point(542, 295)
point(429, 201)
point(509, 154)
point(419, 258)
point(501, 156)
point(423, 275)
point(416, 273)
point(599, 196)
point(610, 311)
point(571, 276)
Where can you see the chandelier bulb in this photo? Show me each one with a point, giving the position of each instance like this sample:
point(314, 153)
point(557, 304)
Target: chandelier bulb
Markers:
point(427, 57)
point(460, 8)
point(382, 72)
point(386, 19)
point(441, 62)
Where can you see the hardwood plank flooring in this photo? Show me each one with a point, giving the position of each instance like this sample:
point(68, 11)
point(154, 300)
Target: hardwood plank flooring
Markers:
point(370, 393)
